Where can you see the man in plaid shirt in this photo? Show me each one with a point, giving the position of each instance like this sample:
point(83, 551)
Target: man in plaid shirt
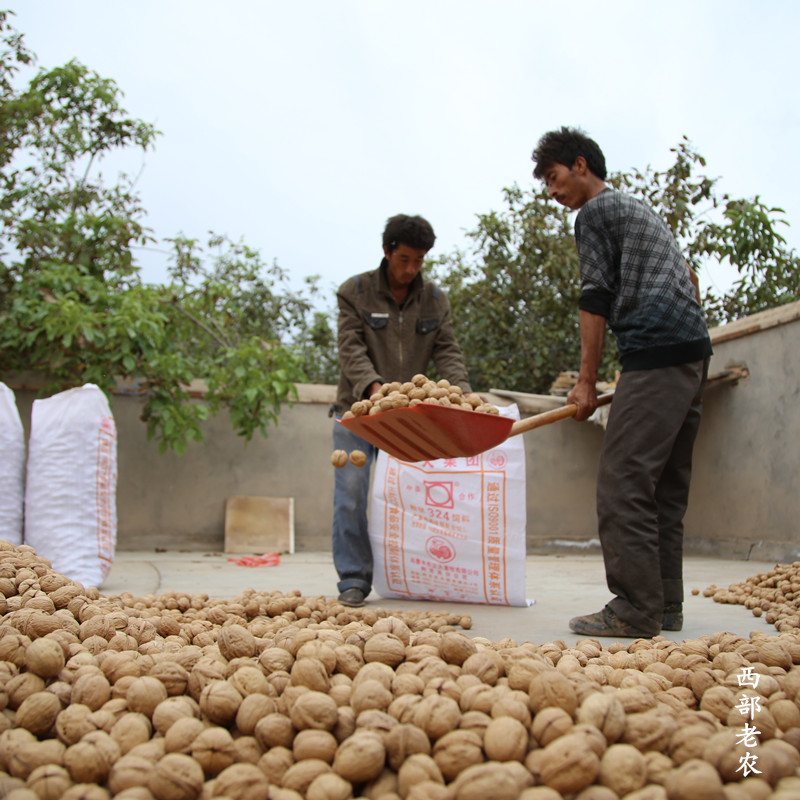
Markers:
point(635, 280)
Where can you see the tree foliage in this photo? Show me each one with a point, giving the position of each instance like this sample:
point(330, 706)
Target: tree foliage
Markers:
point(72, 302)
point(742, 233)
point(514, 294)
point(513, 302)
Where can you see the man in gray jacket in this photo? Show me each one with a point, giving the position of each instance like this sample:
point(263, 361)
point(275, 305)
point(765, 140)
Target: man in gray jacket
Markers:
point(393, 323)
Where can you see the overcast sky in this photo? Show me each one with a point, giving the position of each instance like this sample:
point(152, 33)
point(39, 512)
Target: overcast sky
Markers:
point(301, 126)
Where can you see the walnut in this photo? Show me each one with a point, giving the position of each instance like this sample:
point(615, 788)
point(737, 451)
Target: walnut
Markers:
point(513, 704)
point(688, 742)
point(173, 675)
point(694, 780)
point(551, 688)
point(274, 730)
point(395, 625)
point(181, 734)
point(252, 708)
point(312, 743)
point(436, 715)
point(594, 737)
point(274, 763)
point(235, 641)
point(406, 683)
point(358, 457)
point(456, 648)
point(21, 686)
point(457, 750)
point(213, 750)
point(786, 713)
point(360, 757)
point(91, 759)
point(13, 648)
point(417, 768)
point(91, 689)
point(773, 652)
point(220, 702)
point(649, 730)
point(172, 709)
point(635, 699)
point(329, 786)
point(37, 713)
point(486, 664)
point(370, 694)
point(49, 782)
point(385, 648)
point(341, 694)
point(490, 779)
point(505, 739)
point(128, 771)
point(310, 672)
point(359, 408)
point(314, 710)
point(595, 792)
point(301, 774)
point(777, 759)
point(176, 777)
point(72, 723)
point(376, 721)
point(322, 650)
point(144, 694)
point(45, 657)
point(22, 753)
point(605, 712)
point(339, 458)
point(402, 741)
point(275, 659)
point(569, 764)
point(375, 670)
point(623, 769)
point(475, 721)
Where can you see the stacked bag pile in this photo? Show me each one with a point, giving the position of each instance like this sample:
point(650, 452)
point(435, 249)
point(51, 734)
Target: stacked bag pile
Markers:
point(60, 496)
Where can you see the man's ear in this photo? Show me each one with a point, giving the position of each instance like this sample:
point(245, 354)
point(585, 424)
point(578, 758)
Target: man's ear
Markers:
point(580, 166)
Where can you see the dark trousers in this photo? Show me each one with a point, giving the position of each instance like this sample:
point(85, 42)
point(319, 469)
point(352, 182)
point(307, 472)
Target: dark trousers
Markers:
point(643, 488)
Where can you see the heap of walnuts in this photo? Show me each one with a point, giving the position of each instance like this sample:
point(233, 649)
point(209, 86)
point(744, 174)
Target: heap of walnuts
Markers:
point(277, 696)
point(420, 389)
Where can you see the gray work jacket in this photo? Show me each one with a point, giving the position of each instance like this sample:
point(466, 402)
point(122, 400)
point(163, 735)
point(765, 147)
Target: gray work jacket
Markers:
point(381, 341)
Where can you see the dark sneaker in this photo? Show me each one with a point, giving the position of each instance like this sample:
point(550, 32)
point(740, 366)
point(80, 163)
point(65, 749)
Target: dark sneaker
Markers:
point(673, 617)
point(607, 623)
point(352, 597)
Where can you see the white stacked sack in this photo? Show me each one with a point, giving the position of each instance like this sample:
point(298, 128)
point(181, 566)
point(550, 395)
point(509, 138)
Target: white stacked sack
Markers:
point(70, 494)
point(12, 468)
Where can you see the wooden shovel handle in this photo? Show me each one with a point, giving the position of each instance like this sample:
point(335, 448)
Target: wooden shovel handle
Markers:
point(538, 420)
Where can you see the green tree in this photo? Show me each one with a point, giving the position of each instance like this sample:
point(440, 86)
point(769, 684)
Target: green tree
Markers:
point(522, 271)
point(523, 276)
point(742, 233)
point(72, 303)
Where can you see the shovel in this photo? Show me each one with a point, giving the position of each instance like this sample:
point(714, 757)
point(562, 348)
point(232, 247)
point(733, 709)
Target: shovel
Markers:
point(426, 431)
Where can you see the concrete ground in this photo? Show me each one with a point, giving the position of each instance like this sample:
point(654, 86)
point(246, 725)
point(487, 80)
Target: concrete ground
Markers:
point(561, 586)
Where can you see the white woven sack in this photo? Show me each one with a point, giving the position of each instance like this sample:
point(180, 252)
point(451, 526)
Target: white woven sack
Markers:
point(12, 468)
point(451, 530)
point(70, 496)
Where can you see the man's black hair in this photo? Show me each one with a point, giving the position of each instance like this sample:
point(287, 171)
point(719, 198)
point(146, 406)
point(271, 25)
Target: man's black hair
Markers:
point(563, 147)
point(411, 231)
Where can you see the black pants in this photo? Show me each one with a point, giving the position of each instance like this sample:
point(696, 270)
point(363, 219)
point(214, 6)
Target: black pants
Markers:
point(643, 488)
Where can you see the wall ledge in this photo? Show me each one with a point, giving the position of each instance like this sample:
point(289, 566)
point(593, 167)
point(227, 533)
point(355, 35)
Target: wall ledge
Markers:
point(764, 320)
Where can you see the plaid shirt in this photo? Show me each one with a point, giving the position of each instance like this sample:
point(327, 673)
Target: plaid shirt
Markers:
point(634, 275)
